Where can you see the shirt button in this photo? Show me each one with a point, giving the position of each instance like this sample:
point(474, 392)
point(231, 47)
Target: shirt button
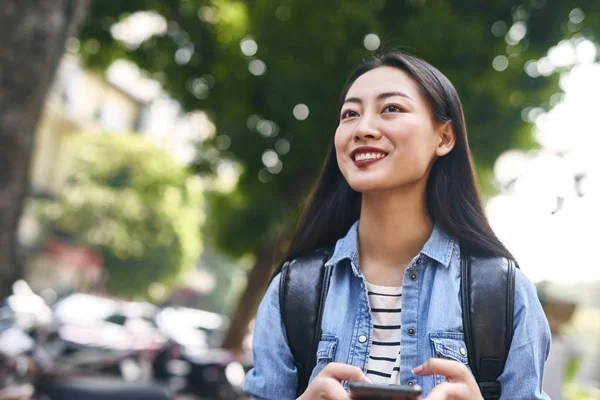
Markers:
point(362, 284)
point(419, 261)
point(462, 351)
point(362, 338)
point(413, 276)
point(410, 383)
point(411, 331)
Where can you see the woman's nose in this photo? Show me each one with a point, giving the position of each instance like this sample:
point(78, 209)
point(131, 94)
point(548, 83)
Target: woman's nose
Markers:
point(366, 130)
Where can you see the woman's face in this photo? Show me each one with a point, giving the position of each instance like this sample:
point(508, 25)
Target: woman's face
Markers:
point(387, 137)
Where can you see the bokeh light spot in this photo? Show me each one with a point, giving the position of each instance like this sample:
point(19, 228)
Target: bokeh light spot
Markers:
point(183, 55)
point(301, 112)
point(275, 169)
point(200, 89)
point(252, 121)
point(267, 128)
point(563, 54)
point(545, 66)
point(265, 176)
point(576, 16)
point(531, 69)
point(249, 47)
point(586, 52)
point(257, 67)
point(518, 31)
point(372, 42)
point(223, 142)
point(499, 28)
point(500, 63)
point(270, 158)
point(282, 146)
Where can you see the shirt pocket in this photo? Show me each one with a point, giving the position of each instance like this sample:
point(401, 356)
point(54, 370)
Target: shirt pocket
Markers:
point(449, 346)
point(325, 353)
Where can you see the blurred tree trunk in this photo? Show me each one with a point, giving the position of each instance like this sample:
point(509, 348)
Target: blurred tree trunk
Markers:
point(33, 34)
point(258, 280)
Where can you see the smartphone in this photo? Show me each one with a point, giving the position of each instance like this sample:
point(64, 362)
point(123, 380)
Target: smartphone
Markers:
point(369, 391)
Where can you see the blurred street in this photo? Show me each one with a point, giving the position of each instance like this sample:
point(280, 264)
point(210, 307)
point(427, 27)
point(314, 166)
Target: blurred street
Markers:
point(154, 155)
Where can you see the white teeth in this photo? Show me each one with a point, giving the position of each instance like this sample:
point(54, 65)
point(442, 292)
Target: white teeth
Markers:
point(368, 156)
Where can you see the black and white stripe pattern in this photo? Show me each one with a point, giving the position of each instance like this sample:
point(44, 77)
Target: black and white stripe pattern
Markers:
point(386, 308)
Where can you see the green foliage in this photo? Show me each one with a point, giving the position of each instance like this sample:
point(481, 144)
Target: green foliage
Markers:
point(309, 48)
point(572, 369)
point(575, 392)
point(130, 200)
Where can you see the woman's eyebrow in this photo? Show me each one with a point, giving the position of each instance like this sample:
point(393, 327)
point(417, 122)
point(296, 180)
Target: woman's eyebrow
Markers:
point(380, 96)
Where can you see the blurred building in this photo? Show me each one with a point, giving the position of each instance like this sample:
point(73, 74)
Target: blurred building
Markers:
point(84, 102)
point(78, 102)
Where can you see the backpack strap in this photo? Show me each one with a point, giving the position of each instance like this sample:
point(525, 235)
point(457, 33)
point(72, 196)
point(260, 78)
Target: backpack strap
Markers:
point(302, 292)
point(488, 292)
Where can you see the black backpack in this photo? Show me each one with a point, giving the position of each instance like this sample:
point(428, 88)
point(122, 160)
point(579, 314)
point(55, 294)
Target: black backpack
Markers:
point(487, 294)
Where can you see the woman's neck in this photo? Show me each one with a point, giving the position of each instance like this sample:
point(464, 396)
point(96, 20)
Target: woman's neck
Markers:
point(393, 229)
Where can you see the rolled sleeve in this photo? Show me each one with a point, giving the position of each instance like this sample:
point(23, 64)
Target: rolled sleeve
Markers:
point(274, 375)
point(523, 374)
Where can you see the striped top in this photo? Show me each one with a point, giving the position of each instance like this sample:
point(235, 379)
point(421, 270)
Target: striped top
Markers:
point(384, 358)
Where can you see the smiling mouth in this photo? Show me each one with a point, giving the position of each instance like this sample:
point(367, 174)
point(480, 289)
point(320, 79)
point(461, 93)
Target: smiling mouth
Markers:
point(359, 157)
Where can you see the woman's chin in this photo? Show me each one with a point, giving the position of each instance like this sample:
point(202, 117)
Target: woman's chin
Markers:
point(366, 186)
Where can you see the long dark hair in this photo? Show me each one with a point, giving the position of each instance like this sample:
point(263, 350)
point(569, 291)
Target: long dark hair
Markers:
point(453, 198)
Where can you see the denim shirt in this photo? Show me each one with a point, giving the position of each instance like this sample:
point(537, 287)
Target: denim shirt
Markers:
point(431, 323)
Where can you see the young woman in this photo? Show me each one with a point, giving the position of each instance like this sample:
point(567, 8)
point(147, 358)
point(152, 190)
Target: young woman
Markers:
point(396, 197)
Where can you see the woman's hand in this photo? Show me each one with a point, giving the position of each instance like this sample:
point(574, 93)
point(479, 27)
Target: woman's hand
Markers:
point(328, 384)
point(459, 384)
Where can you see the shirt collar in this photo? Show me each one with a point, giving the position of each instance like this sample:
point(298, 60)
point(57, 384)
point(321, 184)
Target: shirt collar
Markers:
point(438, 247)
point(347, 248)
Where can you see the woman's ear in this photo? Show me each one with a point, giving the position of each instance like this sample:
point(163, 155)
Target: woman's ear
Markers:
point(446, 139)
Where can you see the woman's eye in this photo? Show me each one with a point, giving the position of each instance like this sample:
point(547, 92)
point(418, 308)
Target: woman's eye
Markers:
point(349, 114)
point(393, 108)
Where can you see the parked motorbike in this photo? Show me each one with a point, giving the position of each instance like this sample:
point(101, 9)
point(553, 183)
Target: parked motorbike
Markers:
point(192, 360)
point(108, 335)
point(32, 367)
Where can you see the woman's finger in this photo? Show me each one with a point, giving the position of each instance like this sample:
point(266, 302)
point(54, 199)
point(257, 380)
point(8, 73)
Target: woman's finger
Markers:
point(327, 385)
point(459, 384)
point(344, 372)
point(452, 370)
